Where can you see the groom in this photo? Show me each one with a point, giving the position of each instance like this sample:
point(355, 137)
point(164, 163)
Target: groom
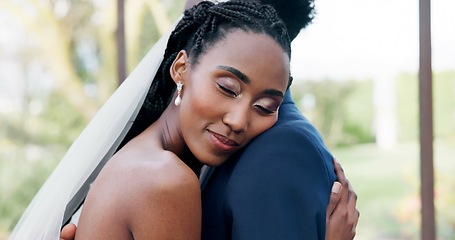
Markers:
point(279, 186)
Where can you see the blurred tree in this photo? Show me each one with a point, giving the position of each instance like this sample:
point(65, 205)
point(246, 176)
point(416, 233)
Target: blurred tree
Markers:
point(73, 41)
point(55, 40)
point(76, 41)
point(146, 21)
point(444, 105)
point(340, 110)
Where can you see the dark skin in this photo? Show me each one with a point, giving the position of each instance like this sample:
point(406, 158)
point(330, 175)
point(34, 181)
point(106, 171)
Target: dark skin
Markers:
point(146, 191)
point(341, 217)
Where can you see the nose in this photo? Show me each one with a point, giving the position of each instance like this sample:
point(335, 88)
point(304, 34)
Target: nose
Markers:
point(237, 118)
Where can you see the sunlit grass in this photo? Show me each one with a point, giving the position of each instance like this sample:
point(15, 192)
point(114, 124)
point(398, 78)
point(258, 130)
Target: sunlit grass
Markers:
point(387, 185)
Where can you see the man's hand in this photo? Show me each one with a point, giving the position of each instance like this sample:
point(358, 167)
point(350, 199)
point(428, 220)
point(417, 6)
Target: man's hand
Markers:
point(68, 232)
point(342, 215)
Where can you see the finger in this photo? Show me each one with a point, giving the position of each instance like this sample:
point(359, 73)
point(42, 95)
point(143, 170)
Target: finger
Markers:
point(352, 198)
point(339, 171)
point(356, 220)
point(342, 179)
point(334, 198)
point(68, 232)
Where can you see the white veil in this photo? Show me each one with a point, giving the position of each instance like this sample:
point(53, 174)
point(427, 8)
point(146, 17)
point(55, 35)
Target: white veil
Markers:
point(98, 141)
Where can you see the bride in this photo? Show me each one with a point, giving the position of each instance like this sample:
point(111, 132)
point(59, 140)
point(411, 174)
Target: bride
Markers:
point(221, 82)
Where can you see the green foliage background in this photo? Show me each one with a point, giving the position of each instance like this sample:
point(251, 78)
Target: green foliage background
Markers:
point(35, 136)
point(32, 142)
point(387, 181)
point(344, 110)
point(443, 105)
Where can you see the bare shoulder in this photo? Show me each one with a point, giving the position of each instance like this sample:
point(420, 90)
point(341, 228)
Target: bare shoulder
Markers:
point(166, 196)
point(147, 195)
point(164, 176)
point(169, 172)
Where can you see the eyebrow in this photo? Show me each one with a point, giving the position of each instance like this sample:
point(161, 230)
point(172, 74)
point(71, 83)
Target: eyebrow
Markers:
point(236, 72)
point(245, 79)
point(274, 92)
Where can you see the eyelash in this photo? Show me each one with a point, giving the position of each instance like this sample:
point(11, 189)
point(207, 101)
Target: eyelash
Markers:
point(232, 93)
point(227, 90)
point(263, 109)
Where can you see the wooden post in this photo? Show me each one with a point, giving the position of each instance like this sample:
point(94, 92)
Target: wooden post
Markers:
point(428, 231)
point(120, 37)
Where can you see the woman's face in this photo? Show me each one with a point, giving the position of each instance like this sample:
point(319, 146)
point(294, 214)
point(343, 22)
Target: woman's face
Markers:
point(231, 95)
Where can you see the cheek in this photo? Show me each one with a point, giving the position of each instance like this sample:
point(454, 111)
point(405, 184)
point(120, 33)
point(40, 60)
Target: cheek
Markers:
point(199, 102)
point(199, 106)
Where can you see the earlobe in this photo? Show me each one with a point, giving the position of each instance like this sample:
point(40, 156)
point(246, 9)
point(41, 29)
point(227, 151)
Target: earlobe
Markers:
point(179, 67)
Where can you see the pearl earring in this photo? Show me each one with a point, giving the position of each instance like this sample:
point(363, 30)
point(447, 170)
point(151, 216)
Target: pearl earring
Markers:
point(178, 99)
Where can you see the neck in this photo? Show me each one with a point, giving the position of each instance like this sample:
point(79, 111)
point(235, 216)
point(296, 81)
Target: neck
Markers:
point(170, 136)
point(168, 129)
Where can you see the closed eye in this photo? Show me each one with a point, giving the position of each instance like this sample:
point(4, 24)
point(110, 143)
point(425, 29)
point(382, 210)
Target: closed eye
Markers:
point(227, 90)
point(264, 110)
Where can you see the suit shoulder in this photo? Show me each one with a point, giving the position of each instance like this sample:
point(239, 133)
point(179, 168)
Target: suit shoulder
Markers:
point(294, 147)
point(296, 135)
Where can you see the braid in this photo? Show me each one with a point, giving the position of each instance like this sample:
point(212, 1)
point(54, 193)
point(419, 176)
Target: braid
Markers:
point(200, 28)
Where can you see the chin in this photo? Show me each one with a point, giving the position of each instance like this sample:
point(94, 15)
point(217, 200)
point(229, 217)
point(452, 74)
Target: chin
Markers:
point(213, 161)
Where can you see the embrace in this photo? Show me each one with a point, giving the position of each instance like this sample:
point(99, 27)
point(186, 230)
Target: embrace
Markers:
point(219, 98)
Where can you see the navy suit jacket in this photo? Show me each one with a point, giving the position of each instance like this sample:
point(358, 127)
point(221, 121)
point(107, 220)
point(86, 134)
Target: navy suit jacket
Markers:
point(276, 188)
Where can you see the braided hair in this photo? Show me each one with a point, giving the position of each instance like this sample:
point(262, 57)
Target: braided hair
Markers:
point(201, 27)
point(295, 14)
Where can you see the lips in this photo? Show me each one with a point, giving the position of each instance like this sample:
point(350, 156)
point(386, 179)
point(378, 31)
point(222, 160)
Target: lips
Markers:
point(223, 143)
